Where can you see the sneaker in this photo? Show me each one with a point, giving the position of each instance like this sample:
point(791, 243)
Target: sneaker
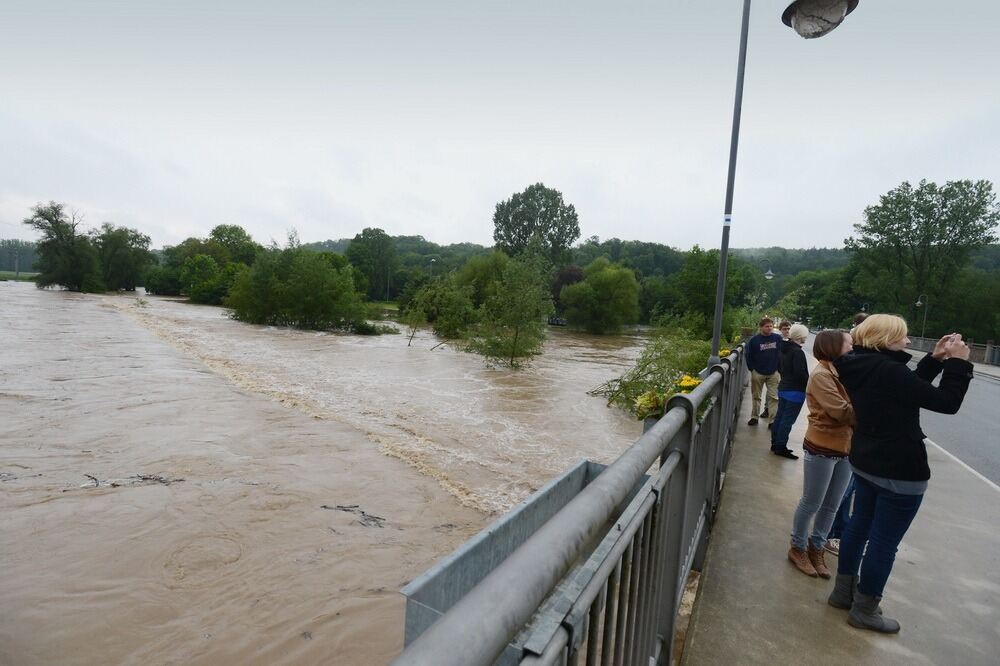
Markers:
point(832, 546)
point(764, 414)
point(753, 421)
point(785, 453)
point(770, 426)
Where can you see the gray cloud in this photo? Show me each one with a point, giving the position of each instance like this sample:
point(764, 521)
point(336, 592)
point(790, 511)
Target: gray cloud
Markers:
point(418, 117)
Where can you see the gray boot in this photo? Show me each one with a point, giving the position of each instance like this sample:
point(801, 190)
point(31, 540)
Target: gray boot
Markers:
point(865, 614)
point(843, 591)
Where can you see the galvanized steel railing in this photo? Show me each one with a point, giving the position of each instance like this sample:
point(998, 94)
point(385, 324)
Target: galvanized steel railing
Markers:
point(614, 577)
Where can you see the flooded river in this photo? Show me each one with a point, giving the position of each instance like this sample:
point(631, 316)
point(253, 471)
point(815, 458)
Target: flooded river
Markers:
point(177, 487)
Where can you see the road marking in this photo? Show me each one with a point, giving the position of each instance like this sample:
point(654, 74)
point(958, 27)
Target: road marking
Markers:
point(956, 459)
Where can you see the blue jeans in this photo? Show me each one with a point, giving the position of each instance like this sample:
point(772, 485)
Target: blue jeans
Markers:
point(823, 482)
point(788, 411)
point(844, 513)
point(881, 518)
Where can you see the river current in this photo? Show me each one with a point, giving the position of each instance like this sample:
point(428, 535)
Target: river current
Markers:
point(178, 487)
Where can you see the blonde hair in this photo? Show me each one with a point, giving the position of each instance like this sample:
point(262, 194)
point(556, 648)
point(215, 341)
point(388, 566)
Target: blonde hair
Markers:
point(798, 332)
point(878, 331)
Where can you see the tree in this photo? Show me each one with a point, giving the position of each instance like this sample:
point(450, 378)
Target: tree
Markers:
point(65, 257)
point(564, 276)
point(447, 306)
point(239, 246)
point(512, 321)
point(17, 255)
point(123, 255)
point(482, 275)
point(200, 279)
point(916, 240)
point(373, 252)
point(318, 295)
point(538, 211)
point(413, 318)
point(296, 287)
point(607, 298)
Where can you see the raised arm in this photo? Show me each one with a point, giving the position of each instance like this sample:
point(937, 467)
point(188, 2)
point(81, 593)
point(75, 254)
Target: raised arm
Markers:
point(946, 398)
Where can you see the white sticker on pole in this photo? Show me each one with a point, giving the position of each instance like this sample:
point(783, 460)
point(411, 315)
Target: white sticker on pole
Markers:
point(728, 222)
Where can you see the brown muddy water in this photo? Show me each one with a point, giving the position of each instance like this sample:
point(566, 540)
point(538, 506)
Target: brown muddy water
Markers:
point(177, 487)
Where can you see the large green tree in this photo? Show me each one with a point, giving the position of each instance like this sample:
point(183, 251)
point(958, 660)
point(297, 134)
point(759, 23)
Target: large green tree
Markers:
point(540, 212)
point(606, 299)
point(65, 257)
point(296, 287)
point(239, 246)
point(123, 254)
point(373, 253)
point(916, 240)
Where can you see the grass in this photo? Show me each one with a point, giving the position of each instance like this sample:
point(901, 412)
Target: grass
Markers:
point(385, 305)
point(23, 277)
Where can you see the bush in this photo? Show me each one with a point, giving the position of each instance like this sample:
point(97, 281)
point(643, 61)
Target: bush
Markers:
point(296, 287)
point(662, 364)
point(447, 307)
point(606, 299)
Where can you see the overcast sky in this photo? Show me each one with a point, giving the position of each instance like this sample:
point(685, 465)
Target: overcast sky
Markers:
point(417, 117)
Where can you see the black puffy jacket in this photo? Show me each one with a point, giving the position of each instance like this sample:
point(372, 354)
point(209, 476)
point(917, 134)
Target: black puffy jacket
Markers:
point(887, 398)
point(794, 367)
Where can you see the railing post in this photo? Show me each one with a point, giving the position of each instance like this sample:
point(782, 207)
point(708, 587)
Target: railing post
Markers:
point(676, 499)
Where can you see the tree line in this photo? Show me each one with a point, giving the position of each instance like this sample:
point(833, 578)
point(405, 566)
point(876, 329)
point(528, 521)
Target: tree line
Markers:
point(929, 244)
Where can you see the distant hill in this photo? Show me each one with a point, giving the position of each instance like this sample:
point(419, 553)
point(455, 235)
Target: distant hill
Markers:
point(787, 261)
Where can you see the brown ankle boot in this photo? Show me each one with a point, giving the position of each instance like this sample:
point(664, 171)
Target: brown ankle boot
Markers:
point(800, 559)
point(816, 559)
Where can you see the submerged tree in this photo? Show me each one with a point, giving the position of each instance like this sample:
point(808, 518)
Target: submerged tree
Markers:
point(123, 255)
point(512, 320)
point(606, 299)
point(65, 257)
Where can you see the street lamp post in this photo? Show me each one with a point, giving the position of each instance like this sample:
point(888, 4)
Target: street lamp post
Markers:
point(810, 19)
point(923, 302)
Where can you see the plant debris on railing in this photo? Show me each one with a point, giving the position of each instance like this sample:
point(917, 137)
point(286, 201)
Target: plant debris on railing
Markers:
point(669, 364)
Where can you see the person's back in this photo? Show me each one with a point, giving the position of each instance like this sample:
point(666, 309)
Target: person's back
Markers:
point(791, 389)
point(794, 367)
point(888, 455)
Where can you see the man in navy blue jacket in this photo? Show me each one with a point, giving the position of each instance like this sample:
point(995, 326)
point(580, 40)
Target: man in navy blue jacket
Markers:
point(763, 358)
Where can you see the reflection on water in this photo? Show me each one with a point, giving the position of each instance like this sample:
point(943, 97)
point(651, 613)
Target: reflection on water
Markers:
point(245, 556)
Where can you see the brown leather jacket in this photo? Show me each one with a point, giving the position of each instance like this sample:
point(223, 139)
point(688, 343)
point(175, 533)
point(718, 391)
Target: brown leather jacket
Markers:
point(831, 416)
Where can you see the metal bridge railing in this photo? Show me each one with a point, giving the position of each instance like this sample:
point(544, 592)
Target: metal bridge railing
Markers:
point(611, 578)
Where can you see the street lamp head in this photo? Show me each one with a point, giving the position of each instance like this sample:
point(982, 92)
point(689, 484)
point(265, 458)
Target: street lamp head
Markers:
point(815, 18)
point(919, 303)
point(768, 275)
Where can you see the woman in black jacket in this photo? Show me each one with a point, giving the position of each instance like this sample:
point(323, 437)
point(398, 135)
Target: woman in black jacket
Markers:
point(888, 454)
point(791, 389)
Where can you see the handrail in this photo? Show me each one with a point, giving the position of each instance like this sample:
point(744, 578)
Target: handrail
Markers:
point(479, 626)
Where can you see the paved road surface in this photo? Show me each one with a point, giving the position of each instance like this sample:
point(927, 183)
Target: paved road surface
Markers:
point(972, 435)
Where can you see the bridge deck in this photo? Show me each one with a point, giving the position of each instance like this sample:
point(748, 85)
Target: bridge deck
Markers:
point(755, 608)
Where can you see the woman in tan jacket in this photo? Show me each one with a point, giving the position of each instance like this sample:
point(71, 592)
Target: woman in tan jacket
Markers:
point(827, 443)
